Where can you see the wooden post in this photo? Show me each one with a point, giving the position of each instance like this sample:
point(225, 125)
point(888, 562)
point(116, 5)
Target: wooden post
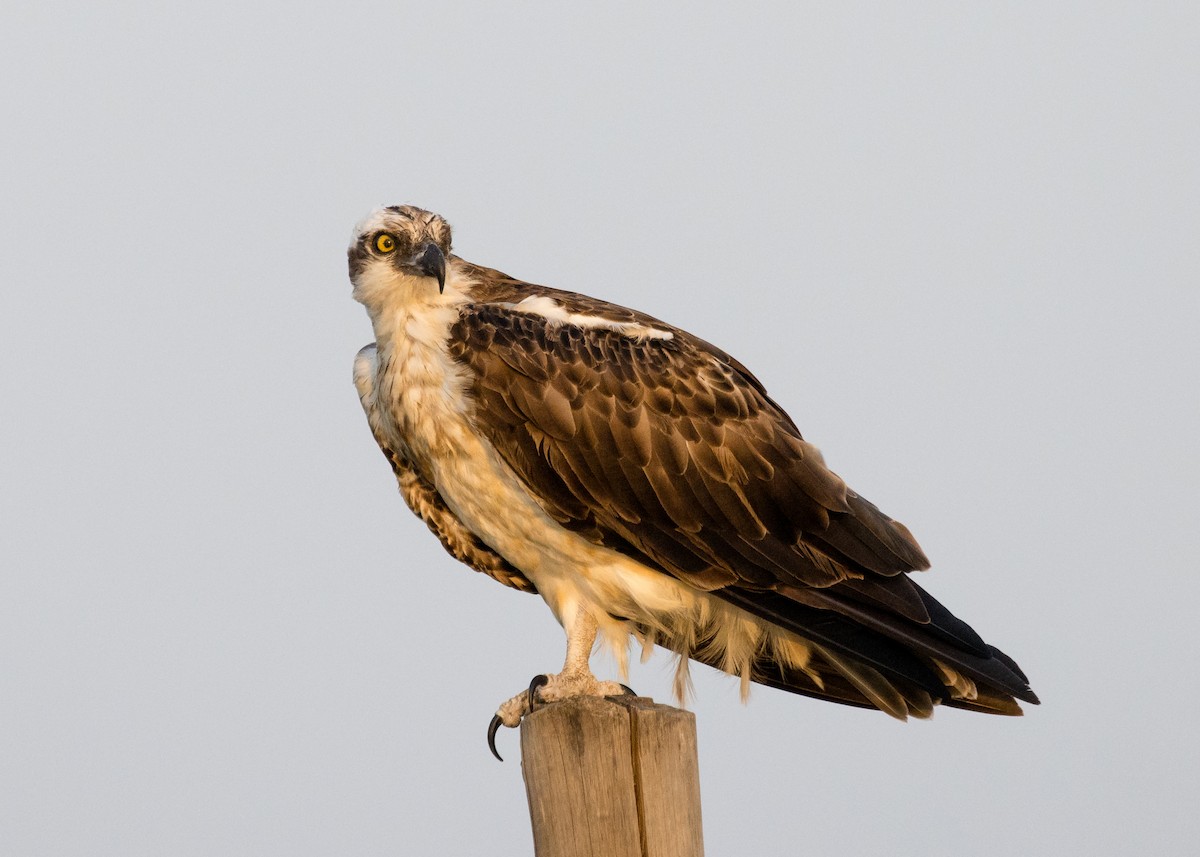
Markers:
point(615, 777)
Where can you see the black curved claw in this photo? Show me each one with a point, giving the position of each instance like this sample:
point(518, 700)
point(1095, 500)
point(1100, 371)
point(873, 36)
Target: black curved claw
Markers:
point(492, 729)
point(629, 691)
point(538, 681)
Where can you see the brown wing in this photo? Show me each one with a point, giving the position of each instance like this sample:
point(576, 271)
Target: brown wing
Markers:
point(423, 498)
point(666, 449)
point(663, 447)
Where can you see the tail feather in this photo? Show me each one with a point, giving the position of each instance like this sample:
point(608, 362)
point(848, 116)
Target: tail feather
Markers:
point(841, 680)
point(884, 660)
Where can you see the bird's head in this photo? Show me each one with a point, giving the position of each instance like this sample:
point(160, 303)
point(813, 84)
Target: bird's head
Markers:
point(397, 245)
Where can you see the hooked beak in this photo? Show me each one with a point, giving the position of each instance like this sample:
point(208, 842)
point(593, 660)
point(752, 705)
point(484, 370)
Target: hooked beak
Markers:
point(431, 262)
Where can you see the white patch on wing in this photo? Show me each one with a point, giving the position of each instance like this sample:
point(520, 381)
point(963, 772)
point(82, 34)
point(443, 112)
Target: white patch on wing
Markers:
point(552, 310)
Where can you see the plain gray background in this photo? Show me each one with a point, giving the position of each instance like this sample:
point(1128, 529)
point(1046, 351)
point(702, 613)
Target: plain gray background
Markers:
point(957, 242)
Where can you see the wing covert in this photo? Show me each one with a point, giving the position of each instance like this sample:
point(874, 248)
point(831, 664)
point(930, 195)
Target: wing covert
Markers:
point(663, 447)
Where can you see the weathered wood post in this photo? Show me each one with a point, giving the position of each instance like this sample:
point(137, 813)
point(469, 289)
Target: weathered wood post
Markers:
point(615, 777)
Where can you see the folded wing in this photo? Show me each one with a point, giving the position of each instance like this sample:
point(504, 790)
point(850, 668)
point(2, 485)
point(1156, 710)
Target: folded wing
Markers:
point(654, 443)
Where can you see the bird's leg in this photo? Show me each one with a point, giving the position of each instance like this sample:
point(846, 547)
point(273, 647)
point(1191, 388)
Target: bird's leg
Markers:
point(576, 678)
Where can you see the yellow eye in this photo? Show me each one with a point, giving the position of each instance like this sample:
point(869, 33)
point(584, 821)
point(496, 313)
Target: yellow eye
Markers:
point(385, 243)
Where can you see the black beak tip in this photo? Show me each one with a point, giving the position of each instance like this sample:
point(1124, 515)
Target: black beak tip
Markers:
point(431, 262)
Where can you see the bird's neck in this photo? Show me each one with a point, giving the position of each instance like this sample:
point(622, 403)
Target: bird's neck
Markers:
point(411, 311)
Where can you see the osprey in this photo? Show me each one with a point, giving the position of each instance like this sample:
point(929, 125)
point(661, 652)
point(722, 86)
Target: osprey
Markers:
point(646, 486)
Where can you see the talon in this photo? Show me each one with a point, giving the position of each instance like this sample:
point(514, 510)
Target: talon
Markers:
point(493, 727)
point(629, 691)
point(538, 681)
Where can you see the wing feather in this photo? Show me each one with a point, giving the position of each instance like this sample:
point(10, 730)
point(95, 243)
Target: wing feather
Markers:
point(704, 453)
point(667, 449)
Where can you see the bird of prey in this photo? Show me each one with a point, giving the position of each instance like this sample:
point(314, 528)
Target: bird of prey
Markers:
point(644, 483)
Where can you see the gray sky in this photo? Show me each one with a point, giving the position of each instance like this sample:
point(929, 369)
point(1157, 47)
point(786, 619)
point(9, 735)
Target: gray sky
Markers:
point(957, 243)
